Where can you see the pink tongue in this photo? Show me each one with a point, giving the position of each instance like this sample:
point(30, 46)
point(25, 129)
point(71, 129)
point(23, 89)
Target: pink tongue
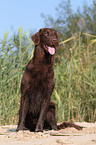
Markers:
point(51, 50)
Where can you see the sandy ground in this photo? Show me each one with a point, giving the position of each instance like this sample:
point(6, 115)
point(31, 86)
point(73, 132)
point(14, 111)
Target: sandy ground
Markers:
point(68, 136)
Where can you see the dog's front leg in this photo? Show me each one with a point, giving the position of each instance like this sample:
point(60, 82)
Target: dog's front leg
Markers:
point(23, 111)
point(40, 123)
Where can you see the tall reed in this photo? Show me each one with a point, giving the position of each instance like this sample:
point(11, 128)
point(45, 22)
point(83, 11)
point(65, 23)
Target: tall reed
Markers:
point(75, 77)
point(14, 55)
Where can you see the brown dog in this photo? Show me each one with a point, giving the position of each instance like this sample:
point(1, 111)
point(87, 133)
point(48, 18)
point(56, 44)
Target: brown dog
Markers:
point(37, 112)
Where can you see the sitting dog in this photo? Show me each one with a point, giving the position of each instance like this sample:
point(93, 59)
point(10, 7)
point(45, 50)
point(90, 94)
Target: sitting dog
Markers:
point(37, 111)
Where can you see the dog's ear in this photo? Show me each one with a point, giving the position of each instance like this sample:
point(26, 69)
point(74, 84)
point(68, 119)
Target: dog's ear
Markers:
point(36, 38)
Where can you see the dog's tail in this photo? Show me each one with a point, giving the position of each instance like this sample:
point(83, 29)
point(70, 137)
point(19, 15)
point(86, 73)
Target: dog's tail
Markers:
point(68, 124)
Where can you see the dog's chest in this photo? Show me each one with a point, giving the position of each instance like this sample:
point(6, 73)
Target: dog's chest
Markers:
point(43, 72)
point(41, 85)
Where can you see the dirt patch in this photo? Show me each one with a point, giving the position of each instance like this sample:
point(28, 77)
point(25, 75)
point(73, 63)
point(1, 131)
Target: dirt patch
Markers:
point(68, 136)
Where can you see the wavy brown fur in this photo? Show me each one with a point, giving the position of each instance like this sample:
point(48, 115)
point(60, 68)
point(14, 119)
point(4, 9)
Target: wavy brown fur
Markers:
point(37, 111)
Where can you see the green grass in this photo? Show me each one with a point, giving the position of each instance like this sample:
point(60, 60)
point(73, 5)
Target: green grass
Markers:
point(75, 77)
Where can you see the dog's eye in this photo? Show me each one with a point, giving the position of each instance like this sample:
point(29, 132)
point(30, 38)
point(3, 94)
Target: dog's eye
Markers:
point(47, 33)
point(55, 34)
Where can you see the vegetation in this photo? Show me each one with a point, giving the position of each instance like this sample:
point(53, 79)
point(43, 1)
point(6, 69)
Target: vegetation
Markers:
point(75, 66)
point(14, 55)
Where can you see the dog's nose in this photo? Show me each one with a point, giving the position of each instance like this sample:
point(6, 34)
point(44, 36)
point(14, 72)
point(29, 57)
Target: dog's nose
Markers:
point(54, 40)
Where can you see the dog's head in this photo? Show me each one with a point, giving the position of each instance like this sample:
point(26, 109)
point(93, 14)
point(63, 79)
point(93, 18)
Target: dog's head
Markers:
point(47, 38)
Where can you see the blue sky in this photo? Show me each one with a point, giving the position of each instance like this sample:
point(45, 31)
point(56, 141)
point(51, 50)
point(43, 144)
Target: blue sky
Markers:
point(27, 13)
